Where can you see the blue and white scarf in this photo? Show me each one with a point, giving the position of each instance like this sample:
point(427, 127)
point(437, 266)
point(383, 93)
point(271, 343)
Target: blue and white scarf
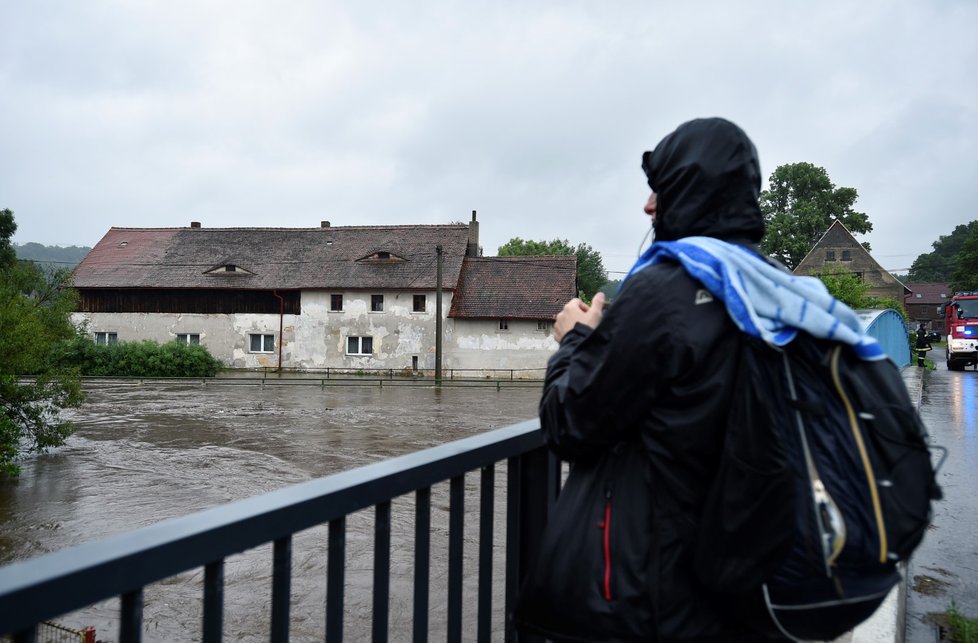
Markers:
point(764, 301)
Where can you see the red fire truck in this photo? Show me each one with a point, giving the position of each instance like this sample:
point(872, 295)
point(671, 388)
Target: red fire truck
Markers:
point(961, 318)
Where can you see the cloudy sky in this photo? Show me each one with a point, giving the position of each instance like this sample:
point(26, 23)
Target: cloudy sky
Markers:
point(137, 113)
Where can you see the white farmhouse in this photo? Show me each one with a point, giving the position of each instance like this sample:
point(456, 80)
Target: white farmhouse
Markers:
point(343, 297)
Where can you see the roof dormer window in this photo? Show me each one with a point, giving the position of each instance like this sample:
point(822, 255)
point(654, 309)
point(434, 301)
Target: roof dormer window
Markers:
point(229, 269)
point(381, 256)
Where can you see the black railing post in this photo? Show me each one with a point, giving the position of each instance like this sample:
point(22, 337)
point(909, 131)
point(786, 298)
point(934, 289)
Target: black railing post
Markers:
point(456, 526)
point(382, 570)
point(281, 586)
point(530, 492)
point(335, 568)
point(131, 620)
point(213, 631)
point(486, 520)
point(422, 562)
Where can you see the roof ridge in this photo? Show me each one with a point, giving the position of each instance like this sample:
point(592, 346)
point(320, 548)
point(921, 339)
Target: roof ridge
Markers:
point(351, 227)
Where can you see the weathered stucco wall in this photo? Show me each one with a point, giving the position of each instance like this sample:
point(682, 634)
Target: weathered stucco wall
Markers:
point(480, 344)
point(317, 338)
point(398, 333)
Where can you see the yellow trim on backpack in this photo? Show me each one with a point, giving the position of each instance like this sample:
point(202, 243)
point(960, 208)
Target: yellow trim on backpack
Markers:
point(854, 425)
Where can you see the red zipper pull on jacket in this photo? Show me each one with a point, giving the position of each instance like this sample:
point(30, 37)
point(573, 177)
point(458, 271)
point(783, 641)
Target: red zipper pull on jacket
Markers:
point(607, 548)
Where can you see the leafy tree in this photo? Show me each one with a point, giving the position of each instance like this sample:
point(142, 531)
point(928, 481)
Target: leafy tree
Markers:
point(845, 286)
point(34, 320)
point(941, 264)
point(800, 204)
point(965, 275)
point(591, 275)
point(851, 290)
point(8, 255)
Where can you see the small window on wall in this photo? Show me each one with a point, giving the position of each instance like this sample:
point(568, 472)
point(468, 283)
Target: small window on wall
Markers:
point(193, 339)
point(543, 325)
point(376, 303)
point(846, 255)
point(261, 343)
point(420, 303)
point(359, 345)
point(830, 255)
point(503, 324)
point(104, 339)
point(336, 303)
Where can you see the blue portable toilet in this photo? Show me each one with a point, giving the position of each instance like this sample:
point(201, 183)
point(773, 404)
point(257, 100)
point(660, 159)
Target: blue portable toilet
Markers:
point(888, 328)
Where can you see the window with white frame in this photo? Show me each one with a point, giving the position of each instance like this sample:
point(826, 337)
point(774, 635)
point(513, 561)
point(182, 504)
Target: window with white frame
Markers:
point(258, 343)
point(103, 338)
point(192, 339)
point(336, 303)
point(420, 303)
point(376, 303)
point(359, 345)
point(503, 324)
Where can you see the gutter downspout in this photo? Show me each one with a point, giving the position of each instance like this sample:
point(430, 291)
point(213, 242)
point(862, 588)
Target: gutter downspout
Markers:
point(281, 322)
point(438, 321)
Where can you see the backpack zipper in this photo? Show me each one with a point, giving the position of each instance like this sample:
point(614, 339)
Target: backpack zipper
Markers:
point(864, 456)
point(829, 520)
point(605, 527)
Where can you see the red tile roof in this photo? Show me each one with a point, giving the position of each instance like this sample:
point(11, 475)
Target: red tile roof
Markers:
point(515, 287)
point(278, 258)
point(930, 293)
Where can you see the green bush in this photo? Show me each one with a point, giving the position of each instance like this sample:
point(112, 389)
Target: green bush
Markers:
point(138, 359)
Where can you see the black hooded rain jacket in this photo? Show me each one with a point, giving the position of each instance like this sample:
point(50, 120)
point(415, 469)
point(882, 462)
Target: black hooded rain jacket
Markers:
point(638, 406)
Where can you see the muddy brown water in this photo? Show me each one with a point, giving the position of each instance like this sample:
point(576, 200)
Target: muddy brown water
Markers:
point(145, 452)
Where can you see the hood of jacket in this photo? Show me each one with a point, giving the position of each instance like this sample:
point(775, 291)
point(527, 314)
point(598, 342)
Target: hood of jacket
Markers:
point(707, 181)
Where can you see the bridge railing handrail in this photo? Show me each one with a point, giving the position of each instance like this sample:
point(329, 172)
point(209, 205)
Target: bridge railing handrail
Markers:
point(55, 584)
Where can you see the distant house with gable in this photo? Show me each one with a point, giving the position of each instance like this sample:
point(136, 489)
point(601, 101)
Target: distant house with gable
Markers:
point(925, 304)
point(342, 297)
point(839, 250)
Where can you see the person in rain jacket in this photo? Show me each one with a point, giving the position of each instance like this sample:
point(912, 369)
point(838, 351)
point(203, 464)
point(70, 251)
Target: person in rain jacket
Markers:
point(648, 381)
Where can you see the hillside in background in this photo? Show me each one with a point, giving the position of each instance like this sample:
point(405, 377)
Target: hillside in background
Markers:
point(51, 256)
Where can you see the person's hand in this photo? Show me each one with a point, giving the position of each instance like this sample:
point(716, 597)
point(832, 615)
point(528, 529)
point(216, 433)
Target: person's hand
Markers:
point(576, 311)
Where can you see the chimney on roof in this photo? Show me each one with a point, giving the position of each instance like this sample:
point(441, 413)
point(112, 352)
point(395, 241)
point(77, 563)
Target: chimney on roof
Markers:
point(472, 247)
point(324, 224)
point(195, 224)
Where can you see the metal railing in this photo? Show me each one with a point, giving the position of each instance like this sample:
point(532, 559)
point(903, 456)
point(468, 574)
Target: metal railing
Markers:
point(331, 372)
point(43, 588)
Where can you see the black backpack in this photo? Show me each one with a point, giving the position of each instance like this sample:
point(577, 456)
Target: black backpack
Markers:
point(824, 485)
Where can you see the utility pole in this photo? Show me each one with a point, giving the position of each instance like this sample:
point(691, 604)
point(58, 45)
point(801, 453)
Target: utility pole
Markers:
point(438, 330)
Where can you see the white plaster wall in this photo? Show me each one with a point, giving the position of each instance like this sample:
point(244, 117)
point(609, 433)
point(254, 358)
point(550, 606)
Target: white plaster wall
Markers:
point(398, 333)
point(479, 344)
point(317, 338)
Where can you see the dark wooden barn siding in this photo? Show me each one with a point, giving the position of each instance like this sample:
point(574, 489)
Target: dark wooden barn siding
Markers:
point(149, 300)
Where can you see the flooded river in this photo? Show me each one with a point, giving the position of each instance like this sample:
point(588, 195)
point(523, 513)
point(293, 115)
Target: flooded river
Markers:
point(142, 453)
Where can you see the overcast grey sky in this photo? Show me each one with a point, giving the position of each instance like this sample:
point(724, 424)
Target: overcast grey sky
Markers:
point(153, 114)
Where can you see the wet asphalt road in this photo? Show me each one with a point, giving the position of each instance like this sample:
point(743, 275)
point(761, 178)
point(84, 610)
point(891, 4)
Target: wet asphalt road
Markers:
point(945, 567)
